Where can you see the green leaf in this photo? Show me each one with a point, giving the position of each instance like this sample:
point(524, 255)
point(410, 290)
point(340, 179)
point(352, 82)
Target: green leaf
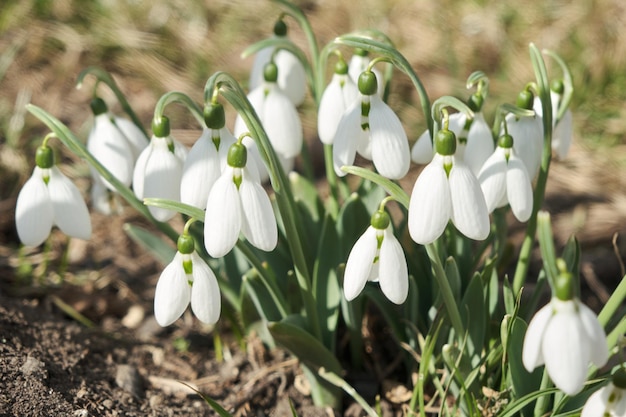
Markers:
point(389, 186)
point(454, 278)
point(265, 304)
point(212, 403)
point(157, 247)
point(522, 381)
point(509, 297)
point(514, 408)
point(177, 206)
point(474, 316)
point(352, 221)
point(306, 198)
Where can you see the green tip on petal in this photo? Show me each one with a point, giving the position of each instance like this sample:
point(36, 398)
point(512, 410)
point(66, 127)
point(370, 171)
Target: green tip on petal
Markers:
point(237, 155)
point(505, 141)
point(161, 127)
point(557, 86)
point(185, 244)
point(475, 102)
point(619, 378)
point(368, 85)
point(280, 28)
point(44, 157)
point(98, 106)
point(214, 116)
point(525, 100)
point(380, 220)
point(341, 67)
point(270, 72)
point(445, 142)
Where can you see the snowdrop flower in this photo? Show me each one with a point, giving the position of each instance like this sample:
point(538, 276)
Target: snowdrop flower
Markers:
point(187, 279)
point(504, 180)
point(447, 190)
point(528, 134)
point(340, 93)
point(49, 198)
point(158, 170)
point(291, 74)
point(610, 400)
point(280, 120)
point(474, 142)
point(565, 335)
point(358, 64)
point(116, 142)
point(372, 129)
point(237, 203)
point(561, 131)
point(206, 158)
point(377, 256)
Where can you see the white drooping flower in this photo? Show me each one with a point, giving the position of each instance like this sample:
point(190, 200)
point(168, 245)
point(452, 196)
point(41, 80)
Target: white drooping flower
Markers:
point(358, 64)
point(115, 142)
point(447, 190)
point(561, 131)
point(528, 134)
point(291, 74)
point(203, 166)
point(566, 336)
point(158, 171)
point(372, 129)
point(608, 401)
point(47, 199)
point(340, 93)
point(474, 146)
point(279, 118)
point(504, 180)
point(377, 256)
point(238, 204)
point(187, 279)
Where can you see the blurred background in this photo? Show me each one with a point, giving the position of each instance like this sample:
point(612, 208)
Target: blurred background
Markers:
point(155, 46)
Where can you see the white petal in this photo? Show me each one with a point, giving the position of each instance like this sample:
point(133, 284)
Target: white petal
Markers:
point(109, 145)
point(390, 146)
point(596, 405)
point(226, 140)
point(33, 211)
point(223, 218)
point(492, 178)
point(358, 64)
point(566, 349)
point(291, 76)
point(180, 150)
point(173, 292)
point(393, 274)
point(259, 224)
point(430, 207)
point(282, 123)
point(562, 136)
point(135, 137)
point(162, 177)
point(595, 335)
point(200, 171)
point(422, 151)
point(532, 356)
point(518, 188)
point(70, 211)
point(206, 302)
point(349, 133)
point(469, 210)
point(139, 173)
point(337, 97)
point(527, 135)
point(261, 58)
point(359, 264)
point(480, 144)
point(100, 196)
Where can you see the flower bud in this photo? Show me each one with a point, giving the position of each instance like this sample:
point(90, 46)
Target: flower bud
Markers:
point(505, 141)
point(270, 72)
point(280, 28)
point(525, 100)
point(380, 220)
point(341, 67)
point(368, 85)
point(98, 106)
point(445, 142)
point(161, 127)
point(237, 155)
point(44, 158)
point(185, 244)
point(557, 86)
point(475, 102)
point(214, 116)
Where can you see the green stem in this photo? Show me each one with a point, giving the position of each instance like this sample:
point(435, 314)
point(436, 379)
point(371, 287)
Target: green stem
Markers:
point(614, 303)
point(544, 401)
point(541, 74)
point(331, 177)
point(445, 290)
point(176, 96)
point(103, 76)
point(77, 147)
point(232, 92)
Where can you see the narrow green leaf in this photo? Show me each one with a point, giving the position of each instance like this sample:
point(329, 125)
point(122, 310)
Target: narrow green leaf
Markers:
point(177, 206)
point(157, 247)
point(515, 407)
point(211, 402)
point(454, 278)
point(522, 381)
point(509, 297)
point(474, 316)
point(389, 186)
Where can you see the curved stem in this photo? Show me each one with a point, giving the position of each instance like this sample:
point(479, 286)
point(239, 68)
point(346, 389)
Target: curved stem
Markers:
point(103, 76)
point(539, 66)
point(176, 96)
point(77, 147)
point(232, 92)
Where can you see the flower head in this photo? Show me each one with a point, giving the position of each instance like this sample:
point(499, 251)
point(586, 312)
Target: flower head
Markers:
point(565, 335)
point(377, 256)
point(49, 198)
point(504, 180)
point(358, 64)
point(610, 400)
point(237, 203)
point(447, 190)
point(561, 130)
point(372, 129)
point(187, 279)
point(340, 93)
point(159, 169)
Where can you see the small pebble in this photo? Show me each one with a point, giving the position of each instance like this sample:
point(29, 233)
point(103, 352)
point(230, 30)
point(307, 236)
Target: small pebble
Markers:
point(81, 413)
point(34, 367)
point(127, 377)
